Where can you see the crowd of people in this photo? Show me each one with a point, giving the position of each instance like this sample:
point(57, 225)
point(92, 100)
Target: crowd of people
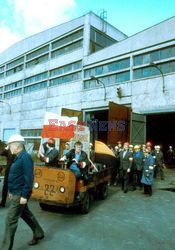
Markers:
point(137, 166)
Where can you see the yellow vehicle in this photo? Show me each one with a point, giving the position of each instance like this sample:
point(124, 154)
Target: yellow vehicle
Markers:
point(58, 186)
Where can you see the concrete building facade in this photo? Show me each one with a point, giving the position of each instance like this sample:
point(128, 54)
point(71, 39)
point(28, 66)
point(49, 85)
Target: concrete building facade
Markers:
point(83, 65)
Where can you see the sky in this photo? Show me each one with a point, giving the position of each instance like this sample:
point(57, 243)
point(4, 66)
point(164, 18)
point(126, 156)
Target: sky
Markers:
point(22, 18)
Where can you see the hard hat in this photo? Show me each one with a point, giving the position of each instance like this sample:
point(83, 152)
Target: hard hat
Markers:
point(137, 147)
point(131, 146)
point(16, 138)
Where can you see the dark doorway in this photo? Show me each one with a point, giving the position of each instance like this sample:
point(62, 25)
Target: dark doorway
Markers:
point(161, 129)
point(97, 116)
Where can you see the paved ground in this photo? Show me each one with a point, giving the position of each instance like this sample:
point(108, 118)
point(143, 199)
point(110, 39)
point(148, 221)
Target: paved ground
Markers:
point(122, 222)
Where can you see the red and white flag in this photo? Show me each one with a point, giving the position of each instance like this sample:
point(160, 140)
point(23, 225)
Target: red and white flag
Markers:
point(56, 126)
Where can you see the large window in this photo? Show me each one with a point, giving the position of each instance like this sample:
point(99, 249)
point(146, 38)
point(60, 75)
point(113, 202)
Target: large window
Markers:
point(37, 60)
point(36, 78)
point(37, 52)
point(13, 85)
point(65, 79)
point(108, 80)
point(144, 72)
point(16, 62)
point(68, 39)
point(107, 68)
point(156, 55)
point(35, 87)
point(14, 70)
point(66, 69)
point(13, 93)
point(99, 40)
point(67, 49)
point(31, 132)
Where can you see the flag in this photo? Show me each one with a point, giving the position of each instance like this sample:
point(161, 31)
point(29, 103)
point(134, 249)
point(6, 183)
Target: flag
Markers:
point(56, 126)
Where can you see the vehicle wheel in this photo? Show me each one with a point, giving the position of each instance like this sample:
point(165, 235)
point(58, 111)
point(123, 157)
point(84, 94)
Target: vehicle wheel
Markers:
point(103, 191)
point(43, 206)
point(84, 207)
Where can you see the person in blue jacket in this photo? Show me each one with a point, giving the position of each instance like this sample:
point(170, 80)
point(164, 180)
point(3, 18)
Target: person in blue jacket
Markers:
point(20, 182)
point(148, 172)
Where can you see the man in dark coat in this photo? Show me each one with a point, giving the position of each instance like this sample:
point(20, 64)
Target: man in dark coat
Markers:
point(159, 162)
point(78, 160)
point(4, 151)
point(137, 166)
point(20, 182)
point(125, 166)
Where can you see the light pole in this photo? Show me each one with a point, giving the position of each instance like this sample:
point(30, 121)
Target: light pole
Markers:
point(7, 104)
point(161, 72)
point(100, 82)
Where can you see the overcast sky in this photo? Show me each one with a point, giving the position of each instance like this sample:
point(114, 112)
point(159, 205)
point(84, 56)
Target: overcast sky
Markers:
point(22, 18)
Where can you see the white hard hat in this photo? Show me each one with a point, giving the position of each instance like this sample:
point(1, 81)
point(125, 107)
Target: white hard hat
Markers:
point(16, 138)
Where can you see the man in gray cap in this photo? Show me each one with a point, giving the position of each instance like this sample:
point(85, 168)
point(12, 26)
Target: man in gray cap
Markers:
point(20, 188)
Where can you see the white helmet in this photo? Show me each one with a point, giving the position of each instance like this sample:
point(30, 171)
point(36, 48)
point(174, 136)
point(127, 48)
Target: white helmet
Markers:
point(16, 138)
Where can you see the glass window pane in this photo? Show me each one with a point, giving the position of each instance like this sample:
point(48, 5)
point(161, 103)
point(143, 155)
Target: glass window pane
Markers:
point(165, 53)
point(146, 58)
point(112, 66)
point(165, 68)
point(147, 72)
point(138, 60)
point(155, 56)
point(173, 66)
point(173, 51)
point(138, 73)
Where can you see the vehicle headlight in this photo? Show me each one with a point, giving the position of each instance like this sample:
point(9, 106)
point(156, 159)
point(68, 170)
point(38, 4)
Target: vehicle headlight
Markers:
point(36, 185)
point(62, 189)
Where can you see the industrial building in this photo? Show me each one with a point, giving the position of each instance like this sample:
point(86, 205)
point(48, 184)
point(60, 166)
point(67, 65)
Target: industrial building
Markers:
point(88, 65)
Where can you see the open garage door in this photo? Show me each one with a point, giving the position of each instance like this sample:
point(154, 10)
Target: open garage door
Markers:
point(120, 115)
point(137, 129)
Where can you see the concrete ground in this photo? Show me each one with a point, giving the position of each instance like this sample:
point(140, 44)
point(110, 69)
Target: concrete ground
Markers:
point(122, 222)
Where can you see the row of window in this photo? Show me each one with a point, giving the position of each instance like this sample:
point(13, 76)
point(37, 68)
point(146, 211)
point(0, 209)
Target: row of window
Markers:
point(37, 86)
point(44, 58)
point(14, 70)
point(36, 78)
point(37, 52)
point(65, 69)
point(13, 85)
point(38, 56)
point(67, 49)
point(64, 79)
point(42, 84)
point(43, 76)
point(108, 80)
point(14, 63)
point(13, 93)
point(153, 71)
point(37, 60)
point(107, 68)
point(156, 55)
point(67, 39)
point(31, 132)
